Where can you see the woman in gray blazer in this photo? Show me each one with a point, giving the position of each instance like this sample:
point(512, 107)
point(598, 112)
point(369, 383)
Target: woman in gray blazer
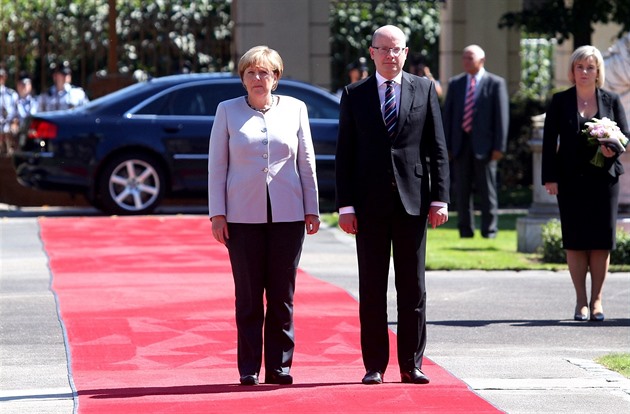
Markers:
point(262, 191)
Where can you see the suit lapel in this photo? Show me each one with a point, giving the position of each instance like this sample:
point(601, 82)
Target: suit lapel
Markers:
point(407, 93)
point(604, 104)
point(571, 109)
point(369, 94)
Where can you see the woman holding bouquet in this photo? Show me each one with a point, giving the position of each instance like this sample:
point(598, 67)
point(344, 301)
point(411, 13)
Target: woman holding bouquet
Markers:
point(584, 174)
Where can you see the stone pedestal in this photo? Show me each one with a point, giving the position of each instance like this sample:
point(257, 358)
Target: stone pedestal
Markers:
point(545, 207)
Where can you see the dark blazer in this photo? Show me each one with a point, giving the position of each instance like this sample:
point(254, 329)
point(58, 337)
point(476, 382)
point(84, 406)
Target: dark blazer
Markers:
point(564, 155)
point(368, 163)
point(490, 120)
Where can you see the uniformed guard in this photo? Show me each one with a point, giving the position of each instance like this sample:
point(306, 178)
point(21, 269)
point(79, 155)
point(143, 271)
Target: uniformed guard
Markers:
point(8, 116)
point(62, 95)
point(27, 103)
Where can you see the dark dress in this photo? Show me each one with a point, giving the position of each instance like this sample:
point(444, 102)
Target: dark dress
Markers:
point(588, 203)
point(588, 195)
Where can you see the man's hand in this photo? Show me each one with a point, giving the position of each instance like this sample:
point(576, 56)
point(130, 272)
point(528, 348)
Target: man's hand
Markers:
point(438, 216)
point(348, 223)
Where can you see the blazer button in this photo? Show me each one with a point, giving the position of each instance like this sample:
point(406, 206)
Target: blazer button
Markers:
point(265, 170)
point(263, 130)
point(265, 142)
point(265, 156)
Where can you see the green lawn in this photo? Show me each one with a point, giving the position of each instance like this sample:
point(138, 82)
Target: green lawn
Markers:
point(447, 251)
point(616, 362)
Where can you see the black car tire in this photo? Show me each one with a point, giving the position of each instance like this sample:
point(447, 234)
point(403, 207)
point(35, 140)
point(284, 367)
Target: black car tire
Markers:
point(131, 184)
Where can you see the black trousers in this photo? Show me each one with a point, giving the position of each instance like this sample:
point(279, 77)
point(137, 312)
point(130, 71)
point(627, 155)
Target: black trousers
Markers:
point(264, 260)
point(482, 175)
point(398, 233)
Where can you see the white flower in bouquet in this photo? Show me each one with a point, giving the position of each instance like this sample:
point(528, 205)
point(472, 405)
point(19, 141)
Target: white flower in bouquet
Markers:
point(604, 132)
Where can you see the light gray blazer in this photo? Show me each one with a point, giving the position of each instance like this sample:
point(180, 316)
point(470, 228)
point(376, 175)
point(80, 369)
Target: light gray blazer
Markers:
point(251, 153)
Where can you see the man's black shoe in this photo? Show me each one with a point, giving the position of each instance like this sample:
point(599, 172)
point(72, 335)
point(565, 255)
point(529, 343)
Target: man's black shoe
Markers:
point(415, 376)
point(279, 378)
point(373, 377)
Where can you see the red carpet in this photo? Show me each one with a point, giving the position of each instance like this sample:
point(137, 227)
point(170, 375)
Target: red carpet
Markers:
point(148, 308)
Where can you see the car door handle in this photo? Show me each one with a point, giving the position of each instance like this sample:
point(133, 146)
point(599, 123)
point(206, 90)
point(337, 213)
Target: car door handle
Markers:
point(173, 128)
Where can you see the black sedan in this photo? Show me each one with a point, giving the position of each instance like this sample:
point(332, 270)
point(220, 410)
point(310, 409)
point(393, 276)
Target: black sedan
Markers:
point(128, 150)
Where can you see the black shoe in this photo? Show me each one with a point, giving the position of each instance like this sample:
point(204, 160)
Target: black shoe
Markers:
point(373, 377)
point(578, 315)
point(279, 378)
point(414, 376)
point(249, 379)
point(597, 317)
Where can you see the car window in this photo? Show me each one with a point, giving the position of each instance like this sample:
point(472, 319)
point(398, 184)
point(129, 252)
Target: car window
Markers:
point(202, 100)
point(213, 94)
point(193, 100)
point(318, 106)
point(157, 106)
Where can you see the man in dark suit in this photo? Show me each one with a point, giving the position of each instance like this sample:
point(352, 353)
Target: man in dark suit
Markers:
point(476, 143)
point(392, 174)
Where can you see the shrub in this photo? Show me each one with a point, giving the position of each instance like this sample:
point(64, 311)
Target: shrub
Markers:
point(552, 251)
point(621, 254)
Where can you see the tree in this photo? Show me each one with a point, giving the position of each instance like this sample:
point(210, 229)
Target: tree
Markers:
point(158, 37)
point(553, 18)
point(352, 23)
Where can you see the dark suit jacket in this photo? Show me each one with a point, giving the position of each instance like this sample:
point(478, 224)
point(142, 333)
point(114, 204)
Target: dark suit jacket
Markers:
point(490, 118)
point(368, 160)
point(562, 128)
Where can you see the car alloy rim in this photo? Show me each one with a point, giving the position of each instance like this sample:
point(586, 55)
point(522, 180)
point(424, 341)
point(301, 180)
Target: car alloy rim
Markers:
point(134, 185)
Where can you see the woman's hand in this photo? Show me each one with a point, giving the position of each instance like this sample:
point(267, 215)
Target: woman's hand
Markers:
point(220, 229)
point(607, 152)
point(552, 188)
point(311, 221)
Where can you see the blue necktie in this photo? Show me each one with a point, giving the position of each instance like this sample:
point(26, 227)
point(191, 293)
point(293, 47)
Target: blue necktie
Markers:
point(389, 109)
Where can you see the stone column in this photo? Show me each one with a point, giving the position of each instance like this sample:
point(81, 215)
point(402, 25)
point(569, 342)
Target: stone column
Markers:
point(298, 29)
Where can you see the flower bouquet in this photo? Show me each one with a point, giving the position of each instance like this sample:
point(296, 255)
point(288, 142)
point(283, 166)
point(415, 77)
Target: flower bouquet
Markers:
point(604, 132)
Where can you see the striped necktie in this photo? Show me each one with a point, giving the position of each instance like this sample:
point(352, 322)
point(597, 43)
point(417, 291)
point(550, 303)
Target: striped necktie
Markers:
point(469, 105)
point(389, 109)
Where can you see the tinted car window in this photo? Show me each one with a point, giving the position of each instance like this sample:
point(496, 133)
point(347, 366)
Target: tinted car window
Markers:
point(192, 100)
point(214, 94)
point(319, 107)
point(155, 106)
point(202, 100)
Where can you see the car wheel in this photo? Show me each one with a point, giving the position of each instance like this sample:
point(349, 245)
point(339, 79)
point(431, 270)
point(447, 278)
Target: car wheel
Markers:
point(131, 184)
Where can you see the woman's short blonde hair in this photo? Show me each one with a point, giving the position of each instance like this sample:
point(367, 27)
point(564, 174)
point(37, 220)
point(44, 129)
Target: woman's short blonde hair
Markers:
point(262, 56)
point(582, 53)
